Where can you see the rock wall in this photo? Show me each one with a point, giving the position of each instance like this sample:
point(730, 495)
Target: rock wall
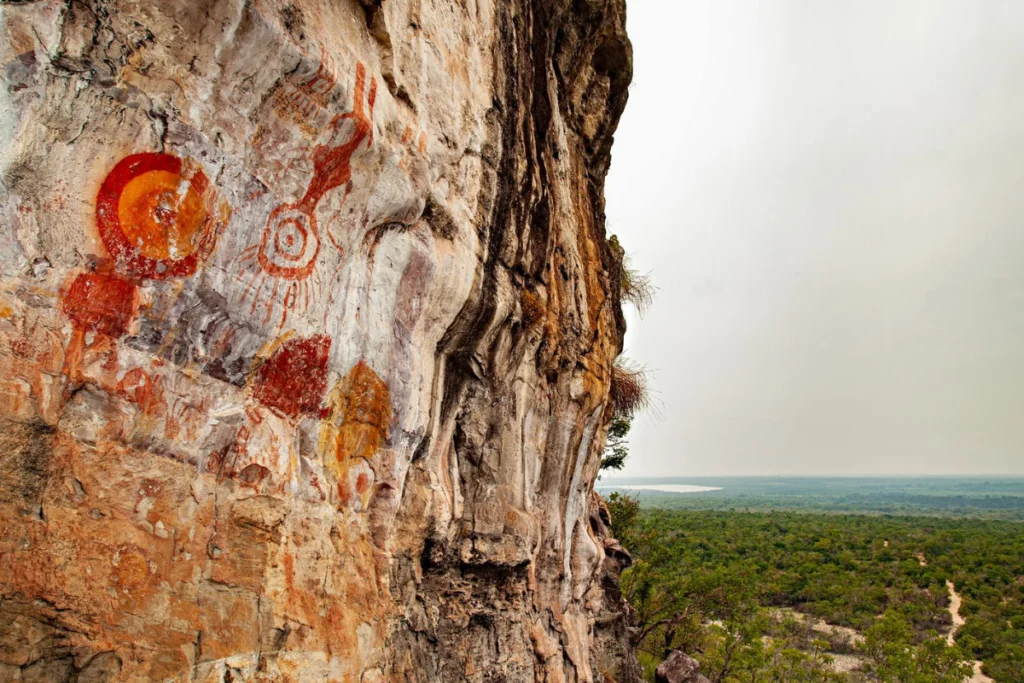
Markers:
point(306, 325)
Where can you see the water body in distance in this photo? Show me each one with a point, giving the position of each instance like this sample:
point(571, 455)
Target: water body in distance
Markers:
point(667, 488)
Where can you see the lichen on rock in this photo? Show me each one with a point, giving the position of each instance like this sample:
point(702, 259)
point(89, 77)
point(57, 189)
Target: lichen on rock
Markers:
point(307, 323)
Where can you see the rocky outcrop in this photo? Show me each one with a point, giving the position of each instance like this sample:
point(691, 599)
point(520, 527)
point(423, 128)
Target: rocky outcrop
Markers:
point(306, 324)
point(614, 624)
point(680, 668)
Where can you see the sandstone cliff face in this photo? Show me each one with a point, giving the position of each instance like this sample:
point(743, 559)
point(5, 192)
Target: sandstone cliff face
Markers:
point(306, 324)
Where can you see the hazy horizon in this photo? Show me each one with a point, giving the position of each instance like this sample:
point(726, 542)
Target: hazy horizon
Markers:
point(612, 477)
point(829, 199)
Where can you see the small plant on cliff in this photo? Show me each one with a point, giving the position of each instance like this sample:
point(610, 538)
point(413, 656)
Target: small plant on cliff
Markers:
point(629, 392)
point(634, 286)
point(532, 307)
point(637, 287)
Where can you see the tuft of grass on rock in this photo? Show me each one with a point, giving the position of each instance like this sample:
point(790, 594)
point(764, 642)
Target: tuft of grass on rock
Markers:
point(637, 288)
point(629, 390)
point(532, 308)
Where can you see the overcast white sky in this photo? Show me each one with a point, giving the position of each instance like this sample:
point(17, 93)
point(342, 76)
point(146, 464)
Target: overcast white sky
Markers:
point(830, 198)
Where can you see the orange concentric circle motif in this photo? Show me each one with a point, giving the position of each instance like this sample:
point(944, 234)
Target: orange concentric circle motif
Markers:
point(156, 216)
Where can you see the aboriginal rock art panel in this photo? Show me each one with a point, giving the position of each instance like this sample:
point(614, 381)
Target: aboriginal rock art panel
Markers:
point(158, 217)
point(280, 271)
point(357, 424)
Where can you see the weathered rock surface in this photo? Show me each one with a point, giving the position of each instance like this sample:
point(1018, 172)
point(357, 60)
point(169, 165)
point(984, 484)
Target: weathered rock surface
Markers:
point(306, 323)
point(680, 668)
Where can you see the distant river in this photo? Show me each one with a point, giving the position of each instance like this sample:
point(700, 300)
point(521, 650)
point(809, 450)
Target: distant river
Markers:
point(667, 488)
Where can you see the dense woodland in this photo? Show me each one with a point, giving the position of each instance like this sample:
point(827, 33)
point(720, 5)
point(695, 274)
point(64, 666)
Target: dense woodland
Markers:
point(740, 591)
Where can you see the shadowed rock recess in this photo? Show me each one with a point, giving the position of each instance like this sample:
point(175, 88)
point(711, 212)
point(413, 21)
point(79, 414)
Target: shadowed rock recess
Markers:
point(306, 326)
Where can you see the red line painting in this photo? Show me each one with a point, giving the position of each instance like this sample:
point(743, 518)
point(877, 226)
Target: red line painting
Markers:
point(305, 103)
point(409, 134)
point(158, 216)
point(293, 379)
point(286, 255)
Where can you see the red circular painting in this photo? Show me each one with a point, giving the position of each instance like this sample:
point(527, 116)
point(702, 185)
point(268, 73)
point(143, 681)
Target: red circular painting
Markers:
point(157, 216)
point(290, 243)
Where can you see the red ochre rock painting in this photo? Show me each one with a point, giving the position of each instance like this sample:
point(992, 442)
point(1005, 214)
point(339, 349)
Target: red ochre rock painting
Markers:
point(141, 388)
point(409, 136)
point(101, 303)
point(305, 104)
point(293, 378)
point(158, 216)
point(131, 569)
point(290, 242)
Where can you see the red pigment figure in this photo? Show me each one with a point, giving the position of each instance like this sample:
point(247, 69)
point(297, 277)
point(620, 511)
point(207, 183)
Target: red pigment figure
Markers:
point(293, 380)
point(288, 386)
point(307, 101)
point(100, 304)
point(290, 243)
point(421, 142)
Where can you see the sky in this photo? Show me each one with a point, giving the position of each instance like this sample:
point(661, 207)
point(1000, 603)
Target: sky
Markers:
point(829, 197)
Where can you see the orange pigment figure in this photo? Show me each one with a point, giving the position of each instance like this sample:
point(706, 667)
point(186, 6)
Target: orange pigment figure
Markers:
point(357, 424)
